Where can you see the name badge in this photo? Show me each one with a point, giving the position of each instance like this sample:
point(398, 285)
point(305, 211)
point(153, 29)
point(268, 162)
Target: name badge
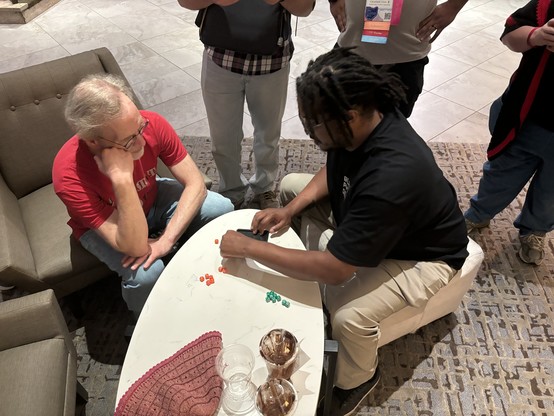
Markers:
point(378, 16)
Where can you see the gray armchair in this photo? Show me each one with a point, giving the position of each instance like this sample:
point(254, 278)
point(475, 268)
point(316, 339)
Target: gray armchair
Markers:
point(38, 361)
point(36, 250)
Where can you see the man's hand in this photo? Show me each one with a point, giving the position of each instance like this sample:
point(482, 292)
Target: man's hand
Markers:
point(338, 10)
point(440, 17)
point(271, 219)
point(234, 244)
point(135, 262)
point(114, 162)
point(159, 247)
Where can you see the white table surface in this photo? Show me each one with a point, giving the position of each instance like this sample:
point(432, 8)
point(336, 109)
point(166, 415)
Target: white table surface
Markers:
point(180, 308)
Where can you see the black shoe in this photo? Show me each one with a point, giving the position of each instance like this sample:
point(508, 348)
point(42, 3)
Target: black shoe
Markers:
point(347, 401)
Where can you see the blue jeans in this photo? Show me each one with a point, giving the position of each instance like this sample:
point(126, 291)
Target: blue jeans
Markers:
point(529, 157)
point(137, 284)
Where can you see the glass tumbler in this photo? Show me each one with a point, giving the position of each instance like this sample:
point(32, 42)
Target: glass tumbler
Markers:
point(276, 397)
point(279, 349)
point(234, 364)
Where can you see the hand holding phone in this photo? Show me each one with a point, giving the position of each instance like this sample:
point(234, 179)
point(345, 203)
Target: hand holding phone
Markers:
point(259, 236)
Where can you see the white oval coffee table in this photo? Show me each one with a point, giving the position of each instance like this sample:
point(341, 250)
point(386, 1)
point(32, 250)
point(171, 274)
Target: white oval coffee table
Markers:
point(180, 308)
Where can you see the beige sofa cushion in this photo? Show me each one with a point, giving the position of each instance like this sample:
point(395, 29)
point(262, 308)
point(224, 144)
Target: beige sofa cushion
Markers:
point(45, 218)
point(33, 379)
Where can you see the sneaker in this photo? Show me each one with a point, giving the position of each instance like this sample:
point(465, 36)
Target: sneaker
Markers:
point(532, 248)
point(347, 401)
point(472, 226)
point(266, 200)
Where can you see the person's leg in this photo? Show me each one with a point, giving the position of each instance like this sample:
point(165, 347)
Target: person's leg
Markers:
point(317, 222)
point(503, 178)
point(537, 213)
point(266, 97)
point(214, 206)
point(169, 193)
point(223, 93)
point(411, 74)
point(358, 306)
point(136, 285)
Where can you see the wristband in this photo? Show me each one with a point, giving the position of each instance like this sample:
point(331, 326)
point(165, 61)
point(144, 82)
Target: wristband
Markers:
point(528, 36)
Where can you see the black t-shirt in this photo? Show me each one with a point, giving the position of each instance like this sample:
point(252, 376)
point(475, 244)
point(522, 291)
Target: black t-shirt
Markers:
point(391, 200)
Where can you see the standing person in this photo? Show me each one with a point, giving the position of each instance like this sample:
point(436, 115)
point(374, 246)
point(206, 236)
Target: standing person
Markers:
point(248, 48)
point(386, 224)
point(106, 176)
point(522, 143)
point(408, 43)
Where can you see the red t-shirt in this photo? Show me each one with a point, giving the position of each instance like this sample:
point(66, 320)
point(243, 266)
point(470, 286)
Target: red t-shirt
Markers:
point(88, 194)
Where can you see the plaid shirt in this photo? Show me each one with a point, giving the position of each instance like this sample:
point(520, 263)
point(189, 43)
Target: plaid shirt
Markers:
point(249, 64)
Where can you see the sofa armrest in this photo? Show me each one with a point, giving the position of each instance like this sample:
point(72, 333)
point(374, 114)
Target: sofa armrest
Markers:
point(16, 258)
point(32, 318)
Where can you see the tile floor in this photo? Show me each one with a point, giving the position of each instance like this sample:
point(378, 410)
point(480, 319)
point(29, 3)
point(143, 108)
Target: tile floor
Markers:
point(156, 43)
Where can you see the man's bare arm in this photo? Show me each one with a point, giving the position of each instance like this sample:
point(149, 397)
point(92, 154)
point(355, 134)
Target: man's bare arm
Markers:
point(320, 266)
point(192, 198)
point(126, 230)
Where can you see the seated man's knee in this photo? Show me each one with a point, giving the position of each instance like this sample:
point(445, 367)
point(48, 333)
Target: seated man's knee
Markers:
point(215, 205)
point(136, 287)
point(291, 185)
point(347, 323)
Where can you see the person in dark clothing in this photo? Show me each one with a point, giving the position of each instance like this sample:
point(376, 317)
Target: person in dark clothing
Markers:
point(382, 224)
point(522, 143)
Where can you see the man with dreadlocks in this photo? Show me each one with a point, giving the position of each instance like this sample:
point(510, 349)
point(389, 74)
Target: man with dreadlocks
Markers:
point(381, 222)
point(522, 143)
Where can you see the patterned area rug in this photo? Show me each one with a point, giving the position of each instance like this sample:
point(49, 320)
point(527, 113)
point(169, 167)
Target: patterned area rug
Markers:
point(493, 356)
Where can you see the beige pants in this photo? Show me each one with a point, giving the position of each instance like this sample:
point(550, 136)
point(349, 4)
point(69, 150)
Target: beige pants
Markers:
point(371, 295)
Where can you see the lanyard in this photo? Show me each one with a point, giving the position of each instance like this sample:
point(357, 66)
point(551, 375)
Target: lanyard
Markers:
point(379, 15)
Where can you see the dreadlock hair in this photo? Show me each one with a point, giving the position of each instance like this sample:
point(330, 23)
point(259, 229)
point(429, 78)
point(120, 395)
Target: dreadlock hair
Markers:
point(341, 80)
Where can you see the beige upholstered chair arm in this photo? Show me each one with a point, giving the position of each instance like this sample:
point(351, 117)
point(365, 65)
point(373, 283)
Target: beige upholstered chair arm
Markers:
point(31, 319)
point(16, 257)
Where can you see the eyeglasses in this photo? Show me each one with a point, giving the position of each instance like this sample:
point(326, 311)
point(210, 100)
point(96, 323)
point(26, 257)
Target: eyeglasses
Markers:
point(131, 141)
point(305, 124)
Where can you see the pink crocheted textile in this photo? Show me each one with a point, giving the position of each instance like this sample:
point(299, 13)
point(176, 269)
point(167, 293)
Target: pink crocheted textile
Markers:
point(184, 384)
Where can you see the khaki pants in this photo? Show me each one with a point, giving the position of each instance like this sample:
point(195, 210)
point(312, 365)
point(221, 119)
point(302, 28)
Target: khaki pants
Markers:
point(371, 295)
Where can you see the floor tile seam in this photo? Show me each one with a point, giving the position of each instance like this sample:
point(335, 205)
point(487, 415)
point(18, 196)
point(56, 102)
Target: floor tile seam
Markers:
point(435, 49)
point(473, 65)
point(432, 91)
point(455, 76)
point(3, 59)
point(432, 139)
